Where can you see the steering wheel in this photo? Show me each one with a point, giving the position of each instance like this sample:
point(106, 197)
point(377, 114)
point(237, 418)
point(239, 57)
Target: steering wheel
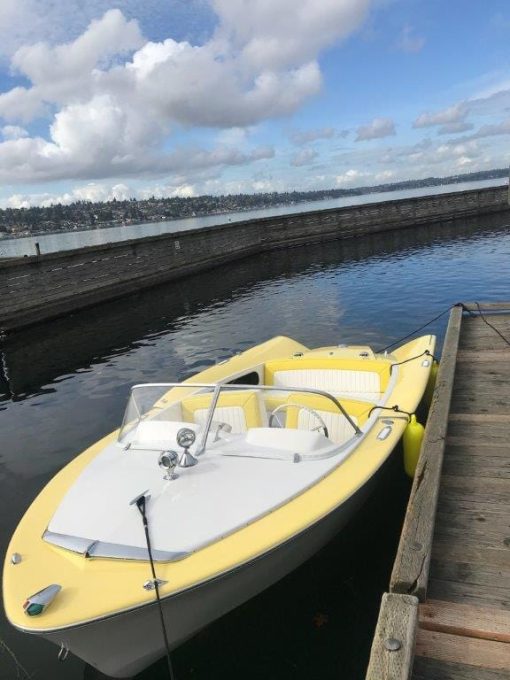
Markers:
point(283, 407)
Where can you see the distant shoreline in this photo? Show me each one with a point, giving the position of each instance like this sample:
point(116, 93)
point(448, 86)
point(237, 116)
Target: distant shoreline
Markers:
point(308, 197)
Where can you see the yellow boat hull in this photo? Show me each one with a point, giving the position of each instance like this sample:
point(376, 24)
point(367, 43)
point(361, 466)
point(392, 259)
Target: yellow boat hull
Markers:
point(103, 599)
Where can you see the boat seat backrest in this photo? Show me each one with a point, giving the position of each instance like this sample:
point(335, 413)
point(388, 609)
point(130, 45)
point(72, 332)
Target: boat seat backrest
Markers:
point(328, 375)
point(301, 410)
point(339, 429)
point(241, 409)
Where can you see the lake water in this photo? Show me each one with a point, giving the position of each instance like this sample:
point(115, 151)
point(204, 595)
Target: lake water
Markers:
point(65, 385)
point(66, 241)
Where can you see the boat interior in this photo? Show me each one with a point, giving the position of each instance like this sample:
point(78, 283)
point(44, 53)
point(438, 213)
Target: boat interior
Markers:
point(319, 399)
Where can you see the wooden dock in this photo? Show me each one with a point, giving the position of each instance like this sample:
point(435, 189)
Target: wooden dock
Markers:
point(447, 613)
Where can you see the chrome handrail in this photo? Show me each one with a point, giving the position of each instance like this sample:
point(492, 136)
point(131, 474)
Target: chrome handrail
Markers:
point(219, 386)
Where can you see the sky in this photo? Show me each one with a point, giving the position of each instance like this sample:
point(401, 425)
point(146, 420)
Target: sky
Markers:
point(140, 98)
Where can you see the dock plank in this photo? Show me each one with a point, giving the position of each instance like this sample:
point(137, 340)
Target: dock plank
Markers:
point(460, 649)
point(482, 434)
point(496, 467)
point(463, 619)
point(493, 356)
point(498, 489)
point(432, 669)
point(470, 572)
point(465, 447)
point(473, 554)
point(467, 593)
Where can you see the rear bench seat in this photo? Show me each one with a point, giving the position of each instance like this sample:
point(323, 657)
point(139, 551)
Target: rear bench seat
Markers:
point(338, 377)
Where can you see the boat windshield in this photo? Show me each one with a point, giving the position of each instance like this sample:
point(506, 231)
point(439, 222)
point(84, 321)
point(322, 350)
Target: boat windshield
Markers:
point(157, 411)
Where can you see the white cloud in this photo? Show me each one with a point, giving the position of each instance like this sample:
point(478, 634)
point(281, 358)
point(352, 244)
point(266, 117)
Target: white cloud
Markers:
point(99, 140)
point(455, 128)
point(385, 176)
point(170, 190)
point(377, 128)
point(494, 130)
point(25, 22)
point(408, 41)
point(453, 114)
point(89, 192)
point(303, 157)
point(104, 38)
point(301, 137)
point(352, 178)
point(274, 35)
point(115, 98)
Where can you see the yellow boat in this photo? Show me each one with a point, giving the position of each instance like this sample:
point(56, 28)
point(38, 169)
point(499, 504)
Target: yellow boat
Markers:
point(242, 473)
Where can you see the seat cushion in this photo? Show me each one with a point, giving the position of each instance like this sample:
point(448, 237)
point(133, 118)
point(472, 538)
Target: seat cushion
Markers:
point(300, 415)
point(365, 380)
point(241, 409)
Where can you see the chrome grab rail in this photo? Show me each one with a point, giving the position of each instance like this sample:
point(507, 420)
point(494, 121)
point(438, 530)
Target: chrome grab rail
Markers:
point(218, 387)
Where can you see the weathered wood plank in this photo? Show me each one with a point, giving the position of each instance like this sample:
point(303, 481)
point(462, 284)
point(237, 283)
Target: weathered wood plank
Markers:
point(497, 489)
point(465, 440)
point(459, 649)
point(491, 356)
point(480, 509)
point(462, 533)
point(468, 525)
point(491, 306)
point(467, 572)
point(397, 621)
point(464, 619)
point(485, 338)
point(432, 669)
point(410, 570)
point(480, 433)
point(473, 554)
point(494, 467)
point(464, 447)
point(478, 327)
point(503, 418)
point(467, 593)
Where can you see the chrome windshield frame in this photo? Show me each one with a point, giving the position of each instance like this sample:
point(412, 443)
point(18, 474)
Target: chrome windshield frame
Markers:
point(218, 387)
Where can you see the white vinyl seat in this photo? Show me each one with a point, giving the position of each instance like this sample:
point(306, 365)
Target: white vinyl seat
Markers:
point(241, 409)
point(301, 410)
point(364, 385)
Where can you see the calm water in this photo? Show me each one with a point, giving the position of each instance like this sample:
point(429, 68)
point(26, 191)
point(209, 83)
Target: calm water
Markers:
point(68, 382)
point(56, 242)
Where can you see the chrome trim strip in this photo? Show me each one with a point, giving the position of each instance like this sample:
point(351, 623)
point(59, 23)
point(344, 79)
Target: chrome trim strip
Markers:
point(91, 548)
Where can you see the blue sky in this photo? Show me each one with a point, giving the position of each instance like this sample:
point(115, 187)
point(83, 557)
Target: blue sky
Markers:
point(183, 97)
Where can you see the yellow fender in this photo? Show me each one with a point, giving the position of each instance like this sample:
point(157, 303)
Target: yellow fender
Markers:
point(412, 438)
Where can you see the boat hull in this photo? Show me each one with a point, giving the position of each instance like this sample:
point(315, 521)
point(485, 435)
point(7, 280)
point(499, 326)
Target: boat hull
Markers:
point(123, 645)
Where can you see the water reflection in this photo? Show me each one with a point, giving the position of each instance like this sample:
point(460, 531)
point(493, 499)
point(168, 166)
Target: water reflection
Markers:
point(66, 383)
point(422, 259)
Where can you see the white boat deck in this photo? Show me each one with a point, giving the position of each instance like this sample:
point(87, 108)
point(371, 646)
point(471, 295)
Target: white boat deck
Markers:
point(234, 483)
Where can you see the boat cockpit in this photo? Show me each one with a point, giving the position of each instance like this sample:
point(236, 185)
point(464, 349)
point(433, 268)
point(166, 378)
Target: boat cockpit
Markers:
point(306, 407)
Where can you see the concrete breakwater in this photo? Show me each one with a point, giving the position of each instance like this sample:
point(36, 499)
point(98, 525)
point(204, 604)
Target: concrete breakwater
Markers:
point(37, 288)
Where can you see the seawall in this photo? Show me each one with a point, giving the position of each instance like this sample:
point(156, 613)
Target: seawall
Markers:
point(38, 288)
